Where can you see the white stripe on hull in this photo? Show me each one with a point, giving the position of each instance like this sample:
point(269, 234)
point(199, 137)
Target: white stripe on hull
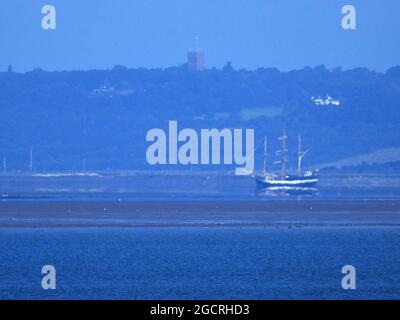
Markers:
point(287, 182)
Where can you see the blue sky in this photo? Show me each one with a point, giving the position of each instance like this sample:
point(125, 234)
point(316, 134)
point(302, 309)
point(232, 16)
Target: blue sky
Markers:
point(287, 34)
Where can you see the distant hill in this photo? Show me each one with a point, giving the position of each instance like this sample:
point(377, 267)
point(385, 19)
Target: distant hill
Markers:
point(103, 116)
point(382, 156)
point(386, 168)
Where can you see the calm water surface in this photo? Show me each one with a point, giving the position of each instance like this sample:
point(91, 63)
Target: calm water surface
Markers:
point(200, 263)
point(197, 262)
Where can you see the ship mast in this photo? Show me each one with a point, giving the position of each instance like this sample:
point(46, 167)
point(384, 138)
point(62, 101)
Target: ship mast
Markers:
point(300, 156)
point(283, 152)
point(265, 157)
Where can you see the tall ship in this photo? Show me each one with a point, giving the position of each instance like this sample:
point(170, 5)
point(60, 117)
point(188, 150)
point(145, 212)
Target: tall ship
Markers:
point(305, 179)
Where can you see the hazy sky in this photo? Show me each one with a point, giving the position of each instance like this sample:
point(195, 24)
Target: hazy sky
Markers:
point(287, 34)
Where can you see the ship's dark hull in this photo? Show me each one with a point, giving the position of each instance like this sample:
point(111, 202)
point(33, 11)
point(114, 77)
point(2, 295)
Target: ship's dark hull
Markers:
point(297, 182)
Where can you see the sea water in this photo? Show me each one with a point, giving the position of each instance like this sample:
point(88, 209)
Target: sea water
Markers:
point(200, 263)
point(212, 262)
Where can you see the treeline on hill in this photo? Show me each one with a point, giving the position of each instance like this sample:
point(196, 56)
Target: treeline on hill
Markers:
point(103, 116)
point(386, 168)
